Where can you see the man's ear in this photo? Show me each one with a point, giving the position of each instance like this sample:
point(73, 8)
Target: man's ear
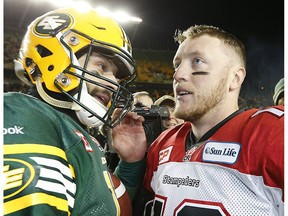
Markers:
point(238, 78)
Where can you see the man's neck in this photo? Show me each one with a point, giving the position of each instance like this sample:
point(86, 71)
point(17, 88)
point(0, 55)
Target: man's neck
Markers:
point(209, 121)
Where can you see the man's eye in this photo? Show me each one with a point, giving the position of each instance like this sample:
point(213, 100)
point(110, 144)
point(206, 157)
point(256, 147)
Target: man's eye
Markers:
point(175, 65)
point(198, 61)
point(100, 66)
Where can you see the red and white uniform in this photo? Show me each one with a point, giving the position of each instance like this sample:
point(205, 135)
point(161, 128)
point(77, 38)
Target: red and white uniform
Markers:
point(239, 170)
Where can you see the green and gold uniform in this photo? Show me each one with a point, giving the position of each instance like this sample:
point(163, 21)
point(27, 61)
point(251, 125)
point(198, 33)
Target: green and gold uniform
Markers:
point(52, 166)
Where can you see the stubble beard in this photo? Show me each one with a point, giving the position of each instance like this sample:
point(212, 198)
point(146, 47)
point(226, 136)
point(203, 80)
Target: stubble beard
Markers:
point(206, 101)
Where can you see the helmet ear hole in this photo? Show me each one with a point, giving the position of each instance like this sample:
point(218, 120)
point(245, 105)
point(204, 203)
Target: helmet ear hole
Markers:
point(43, 51)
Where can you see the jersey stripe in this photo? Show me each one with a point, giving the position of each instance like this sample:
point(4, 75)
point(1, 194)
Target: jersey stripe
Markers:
point(110, 186)
point(54, 164)
point(49, 174)
point(56, 188)
point(35, 148)
point(272, 110)
point(54, 175)
point(35, 199)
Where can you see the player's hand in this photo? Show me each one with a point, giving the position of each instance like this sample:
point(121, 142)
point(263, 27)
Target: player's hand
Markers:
point(128, 137)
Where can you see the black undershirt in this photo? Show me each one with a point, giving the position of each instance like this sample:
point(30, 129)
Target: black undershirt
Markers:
point(191, 141)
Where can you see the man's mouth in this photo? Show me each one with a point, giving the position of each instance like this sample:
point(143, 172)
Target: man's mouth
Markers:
point(102, 98)
point(182, 92)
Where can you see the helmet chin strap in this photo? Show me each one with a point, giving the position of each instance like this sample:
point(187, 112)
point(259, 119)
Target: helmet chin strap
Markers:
point(84, 116)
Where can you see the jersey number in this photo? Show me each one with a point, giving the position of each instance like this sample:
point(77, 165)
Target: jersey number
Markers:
point(187, 207)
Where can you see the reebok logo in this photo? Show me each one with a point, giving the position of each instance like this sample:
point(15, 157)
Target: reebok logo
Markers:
point(13, 130)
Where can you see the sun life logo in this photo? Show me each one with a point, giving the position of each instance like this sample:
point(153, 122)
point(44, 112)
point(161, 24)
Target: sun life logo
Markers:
point(222, 152)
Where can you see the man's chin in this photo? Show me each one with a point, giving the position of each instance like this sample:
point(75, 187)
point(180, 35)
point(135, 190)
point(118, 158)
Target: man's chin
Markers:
point(178, 113)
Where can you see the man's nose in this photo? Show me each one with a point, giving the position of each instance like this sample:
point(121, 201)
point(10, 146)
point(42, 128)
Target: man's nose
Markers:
point(181, 72)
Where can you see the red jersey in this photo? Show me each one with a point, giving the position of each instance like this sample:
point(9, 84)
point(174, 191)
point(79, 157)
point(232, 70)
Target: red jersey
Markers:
point(239, 170)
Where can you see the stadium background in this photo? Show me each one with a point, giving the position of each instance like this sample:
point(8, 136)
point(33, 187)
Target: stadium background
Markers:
point(154, 49)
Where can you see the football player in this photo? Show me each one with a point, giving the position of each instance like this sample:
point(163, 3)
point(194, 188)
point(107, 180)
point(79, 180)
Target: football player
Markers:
point(222, 160)
point(77, 64)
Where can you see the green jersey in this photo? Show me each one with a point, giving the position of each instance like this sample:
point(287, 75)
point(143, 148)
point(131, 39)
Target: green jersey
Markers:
point(51, 164)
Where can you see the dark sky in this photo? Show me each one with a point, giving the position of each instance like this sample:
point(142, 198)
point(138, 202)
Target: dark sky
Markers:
point(259, 24)
point(264, 20)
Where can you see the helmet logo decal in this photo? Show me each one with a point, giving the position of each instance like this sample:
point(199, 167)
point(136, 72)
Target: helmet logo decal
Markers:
point(52, 23)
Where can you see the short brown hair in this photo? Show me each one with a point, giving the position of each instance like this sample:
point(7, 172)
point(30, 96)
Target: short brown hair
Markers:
point(228, 38)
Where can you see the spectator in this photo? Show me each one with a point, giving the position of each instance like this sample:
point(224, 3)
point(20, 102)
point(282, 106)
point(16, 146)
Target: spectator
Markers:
point(142, 99)
point(169, 102)
point(278, 96)
point(52, 165)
